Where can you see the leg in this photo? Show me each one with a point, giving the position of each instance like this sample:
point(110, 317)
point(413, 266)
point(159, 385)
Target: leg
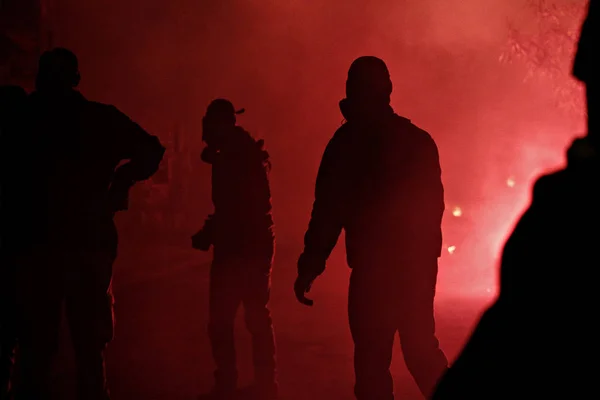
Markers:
point(373, 329)
point(422, 354)
point(224, 300)
point(259, 323)
point(89, 306)
point(8, 334)
point(40, 294)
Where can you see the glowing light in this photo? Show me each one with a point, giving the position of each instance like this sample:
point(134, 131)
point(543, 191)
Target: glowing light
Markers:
point(451, 249)
point(510, 182)
point(457, 212)
point(488, 290)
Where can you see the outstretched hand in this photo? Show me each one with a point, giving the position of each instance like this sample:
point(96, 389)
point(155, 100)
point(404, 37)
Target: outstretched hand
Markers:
point(301, 287)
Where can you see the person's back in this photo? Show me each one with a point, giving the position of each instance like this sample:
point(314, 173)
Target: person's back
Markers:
point(545, 281)
point(82, 159)
point(80, 145)
point(240, 185)
point(533, 341)
point(545, 275)
point(393, 191)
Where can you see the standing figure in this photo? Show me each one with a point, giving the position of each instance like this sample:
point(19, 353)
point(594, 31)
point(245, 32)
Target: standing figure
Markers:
point(83, 157)
point(536, 340)
point(13, 224)
point(241, 232)
point(380, 181)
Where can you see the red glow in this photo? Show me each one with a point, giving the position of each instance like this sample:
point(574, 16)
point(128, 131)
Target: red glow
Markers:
point(497, 124)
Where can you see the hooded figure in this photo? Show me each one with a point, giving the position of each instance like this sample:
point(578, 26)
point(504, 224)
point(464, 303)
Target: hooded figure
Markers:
point(537, 340)
point(380, 182)
point(241, 233)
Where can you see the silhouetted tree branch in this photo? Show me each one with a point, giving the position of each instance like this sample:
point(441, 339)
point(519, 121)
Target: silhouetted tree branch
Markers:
point(546, 44)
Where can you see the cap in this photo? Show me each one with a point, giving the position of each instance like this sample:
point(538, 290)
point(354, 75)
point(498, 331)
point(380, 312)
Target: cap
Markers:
point(222, 109)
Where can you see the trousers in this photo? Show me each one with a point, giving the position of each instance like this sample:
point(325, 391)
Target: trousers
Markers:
point(8, 324)
point(82, 282)
point(236, 282)
point(382, 303)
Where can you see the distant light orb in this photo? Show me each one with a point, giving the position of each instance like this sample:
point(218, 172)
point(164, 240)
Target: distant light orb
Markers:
point(457, 212)
point(451, 249)
point(510, 182)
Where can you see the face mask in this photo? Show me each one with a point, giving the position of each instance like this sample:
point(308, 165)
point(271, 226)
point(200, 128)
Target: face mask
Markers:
point(364, 109)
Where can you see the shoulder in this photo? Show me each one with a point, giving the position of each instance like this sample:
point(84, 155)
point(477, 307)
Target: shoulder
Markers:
point(105, 110)
point(104, 115)
point(417, 143)
point(343, 135)
point(111, 115)
point(550, 184)
point(243, 141)
point(243, 134)
point(418, 136)
point(339, 144)
point(342, 132)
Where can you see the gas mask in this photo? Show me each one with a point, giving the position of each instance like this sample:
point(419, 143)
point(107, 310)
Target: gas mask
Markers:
point(364, 109)
point(214, 130)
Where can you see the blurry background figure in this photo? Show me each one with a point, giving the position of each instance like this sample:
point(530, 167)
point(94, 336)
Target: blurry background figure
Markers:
point(241, 231)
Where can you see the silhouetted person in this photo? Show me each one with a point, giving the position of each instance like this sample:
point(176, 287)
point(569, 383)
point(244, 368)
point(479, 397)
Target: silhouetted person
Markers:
point(241, 232)
point(537, 340)
point(380, 181)
point(85, 156)
point(13, 243)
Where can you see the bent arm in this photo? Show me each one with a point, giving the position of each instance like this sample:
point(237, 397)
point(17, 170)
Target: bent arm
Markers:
point(144, 152)
point(429, 194)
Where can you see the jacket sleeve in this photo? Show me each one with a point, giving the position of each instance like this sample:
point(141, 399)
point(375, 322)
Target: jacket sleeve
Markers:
point(143, 151)
point(326, 220)
point(209, 155)
point(428, 194)
point(435, 193)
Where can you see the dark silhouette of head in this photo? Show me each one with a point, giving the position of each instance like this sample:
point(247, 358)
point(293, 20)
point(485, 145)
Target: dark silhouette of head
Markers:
point(219, 119)
point(586, 67)
point(58, 71)
point(222, 111)
point(368, 87)
point(368, 77)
